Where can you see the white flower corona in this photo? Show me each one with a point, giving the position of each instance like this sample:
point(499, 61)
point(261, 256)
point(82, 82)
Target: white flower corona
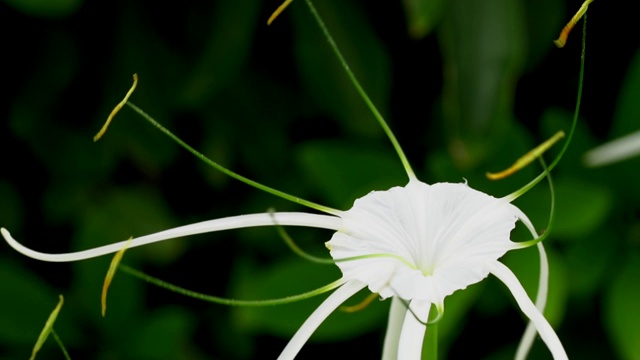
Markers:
point(442, 237)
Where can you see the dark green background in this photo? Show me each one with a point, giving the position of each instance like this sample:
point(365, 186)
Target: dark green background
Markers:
point(467, 86)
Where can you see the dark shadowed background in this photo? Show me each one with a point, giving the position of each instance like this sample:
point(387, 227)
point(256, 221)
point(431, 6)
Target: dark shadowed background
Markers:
point(467, 86)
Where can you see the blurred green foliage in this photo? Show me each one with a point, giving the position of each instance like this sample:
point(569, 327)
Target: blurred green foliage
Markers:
point(468, 86)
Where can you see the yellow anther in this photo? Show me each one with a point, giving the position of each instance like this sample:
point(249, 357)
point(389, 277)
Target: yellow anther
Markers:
point(111, 273)
point(116, 109)
point(562, 39)
point(527, 158)
point(48, 329)
point(278, 11)
point(363, 304)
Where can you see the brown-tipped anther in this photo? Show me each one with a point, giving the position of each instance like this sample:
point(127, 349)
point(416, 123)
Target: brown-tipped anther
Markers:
point(564, 34)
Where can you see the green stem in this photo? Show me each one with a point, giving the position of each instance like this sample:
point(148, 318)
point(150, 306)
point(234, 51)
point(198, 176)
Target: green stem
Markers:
point(430, 347)
point(230, 173)
point(552, 211)
point(576, 113)
point(60, 344)
point(362, 93)
point(230, 302)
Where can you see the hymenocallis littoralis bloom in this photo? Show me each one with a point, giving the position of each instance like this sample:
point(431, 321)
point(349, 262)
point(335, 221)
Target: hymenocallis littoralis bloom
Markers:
point(416, 244)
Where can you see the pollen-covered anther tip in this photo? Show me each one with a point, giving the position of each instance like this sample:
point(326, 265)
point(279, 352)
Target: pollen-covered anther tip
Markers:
point(116, 109)
point(564, 34)
point(279, 10)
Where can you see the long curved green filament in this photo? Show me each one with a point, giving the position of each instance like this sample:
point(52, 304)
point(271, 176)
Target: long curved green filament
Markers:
point(303, 254)
point(230, 302)
point(230, 173)
point(298, 251)
point(295, 248)
point(576, 113)
point(359, 306)
point(362, 93)
point(435, 320)
point(65, 353)
point(552, 210)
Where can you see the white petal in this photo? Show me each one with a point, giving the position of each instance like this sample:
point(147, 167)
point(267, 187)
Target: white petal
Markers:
point(545, 330)
point(319, 315)
point(541, 301)
point(394, 328)
point(616, 150)
point(413, 329)
point(234, 222)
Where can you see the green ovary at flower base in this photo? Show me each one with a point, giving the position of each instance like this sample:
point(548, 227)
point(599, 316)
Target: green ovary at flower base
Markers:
point(416, 244)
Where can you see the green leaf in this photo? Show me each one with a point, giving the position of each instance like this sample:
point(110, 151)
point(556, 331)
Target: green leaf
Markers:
point(46, 8)
point(23, 302)
point(516, 142)
point(11, 207)
point(545, 18)
point(588, 262)
point(621, 309)
point(296, 276)
point(324, 77)
point(344, 172)
point(456, 307)
point(556, 119)
point(627, 113)
point(581, 207)
point(483, 46)
point(126, 212)
point(116, 216)
point(423, 15)
point(166, 334)
point(228, 42)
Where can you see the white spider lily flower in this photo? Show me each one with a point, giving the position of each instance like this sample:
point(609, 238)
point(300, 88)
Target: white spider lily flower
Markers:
point(416, 244)
point(419, 244)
